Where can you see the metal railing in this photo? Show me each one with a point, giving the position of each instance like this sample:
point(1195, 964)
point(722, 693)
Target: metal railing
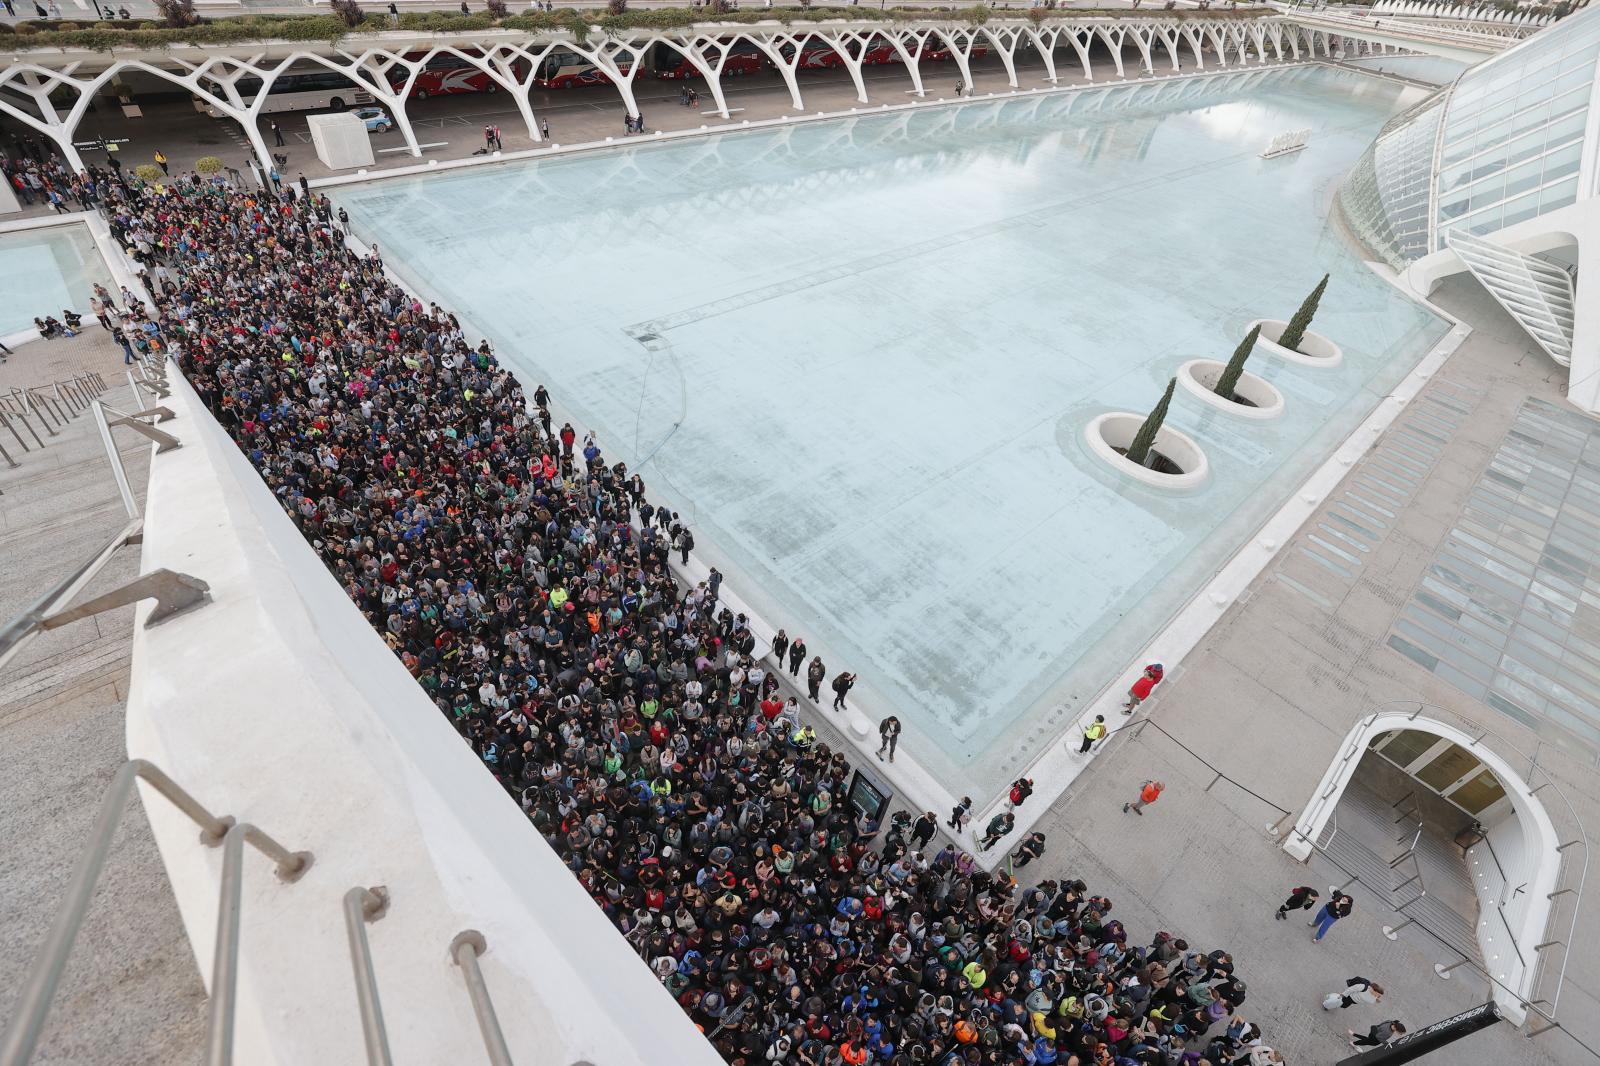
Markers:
point(51, 406)
point(363, 905)
point(464, 950)
point(172, 591)
point(44, 977)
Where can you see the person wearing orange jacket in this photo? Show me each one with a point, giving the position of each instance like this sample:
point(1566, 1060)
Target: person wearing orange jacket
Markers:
point(1149, 792)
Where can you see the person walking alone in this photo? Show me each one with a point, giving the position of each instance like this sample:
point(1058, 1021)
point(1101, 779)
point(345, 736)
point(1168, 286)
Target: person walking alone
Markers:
point(1093, 732)
point(1142, 687)
point(277, 134)
point(1149, 792)
point(841, 689)
point(1021, 789)
point(1382, 1033)
point(888, 736)
point(780, 647)
point(1028, 850)
point(1356, 990)
point(1339, 905)
point(999, 826)
point(161, 161)
point(814, 675)
point(1300, 899)
point(960, 814)
point(797, 655)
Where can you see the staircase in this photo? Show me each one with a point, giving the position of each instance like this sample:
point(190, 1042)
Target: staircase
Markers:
point(1539, 295)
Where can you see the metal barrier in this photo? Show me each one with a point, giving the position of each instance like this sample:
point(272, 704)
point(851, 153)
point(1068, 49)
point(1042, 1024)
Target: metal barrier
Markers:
point(363, 905)
point(172, 591)
point(49, 405)
point(44, 977)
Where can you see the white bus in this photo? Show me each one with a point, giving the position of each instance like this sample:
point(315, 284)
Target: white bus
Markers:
point(309, 91)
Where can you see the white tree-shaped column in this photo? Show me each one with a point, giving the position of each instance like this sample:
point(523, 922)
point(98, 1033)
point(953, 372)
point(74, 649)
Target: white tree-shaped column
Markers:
point(1005, 42)
point(620, 60)
point(959, 43)
point(773, 47)
point(911, 57)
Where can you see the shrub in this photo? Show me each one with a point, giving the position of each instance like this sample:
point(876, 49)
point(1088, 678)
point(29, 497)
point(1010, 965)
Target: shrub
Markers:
point(616, 7)
point(208, 165)
point(496, 8)
point(1139, 450)
point(177, 13)
point(1235, 367)
point(347, 11)
point(1295, 331)
point(148, 172)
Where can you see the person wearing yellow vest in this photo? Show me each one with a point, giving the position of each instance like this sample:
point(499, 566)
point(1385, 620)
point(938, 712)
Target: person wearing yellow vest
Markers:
point(975, 974)
point(1093, 732)
point(161, 161)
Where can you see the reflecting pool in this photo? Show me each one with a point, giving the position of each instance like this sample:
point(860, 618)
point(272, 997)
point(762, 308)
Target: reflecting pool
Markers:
point(858, 356)
point(45, 270)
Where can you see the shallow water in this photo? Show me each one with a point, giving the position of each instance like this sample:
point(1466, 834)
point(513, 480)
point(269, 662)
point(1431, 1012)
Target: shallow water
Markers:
point(45, 270)
point(858, 355)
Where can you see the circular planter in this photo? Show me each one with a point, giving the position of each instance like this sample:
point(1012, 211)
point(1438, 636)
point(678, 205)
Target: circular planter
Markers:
point(1199, 377)
point(1315, 349)
point(1115, 430)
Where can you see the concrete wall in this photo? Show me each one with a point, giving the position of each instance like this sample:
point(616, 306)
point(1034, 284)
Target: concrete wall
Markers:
point(278, 704)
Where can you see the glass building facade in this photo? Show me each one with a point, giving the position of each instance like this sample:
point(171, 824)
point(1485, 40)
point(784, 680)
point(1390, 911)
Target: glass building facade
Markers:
point(1505, 143)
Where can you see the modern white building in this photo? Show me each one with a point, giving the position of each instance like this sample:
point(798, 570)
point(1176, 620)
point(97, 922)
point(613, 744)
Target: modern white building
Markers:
point(1497, 174)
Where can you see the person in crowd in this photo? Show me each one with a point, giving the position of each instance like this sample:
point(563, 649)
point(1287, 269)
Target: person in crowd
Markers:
point(528, 591)
point(999, 826)
point(961, 814)
point(1019, 792)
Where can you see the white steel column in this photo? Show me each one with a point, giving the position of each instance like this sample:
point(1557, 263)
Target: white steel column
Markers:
point(908, 57)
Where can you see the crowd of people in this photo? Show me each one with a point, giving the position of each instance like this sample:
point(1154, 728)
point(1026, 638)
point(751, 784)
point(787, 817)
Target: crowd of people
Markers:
point(526, 583)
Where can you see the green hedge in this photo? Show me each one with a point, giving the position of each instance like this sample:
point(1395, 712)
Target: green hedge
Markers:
point(104, 36)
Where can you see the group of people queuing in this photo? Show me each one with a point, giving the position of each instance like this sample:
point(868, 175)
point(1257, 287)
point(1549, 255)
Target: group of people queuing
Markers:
point(525, 582)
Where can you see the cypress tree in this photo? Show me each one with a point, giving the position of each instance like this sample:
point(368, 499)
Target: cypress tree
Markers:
point(1139, 450)
point(1295, 331)
point(1230, 375)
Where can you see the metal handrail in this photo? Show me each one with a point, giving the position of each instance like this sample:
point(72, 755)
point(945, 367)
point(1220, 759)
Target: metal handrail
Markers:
point(464, 950)
point(363, 905)
point(291, 866)
point(44, 976)
point(173, 592)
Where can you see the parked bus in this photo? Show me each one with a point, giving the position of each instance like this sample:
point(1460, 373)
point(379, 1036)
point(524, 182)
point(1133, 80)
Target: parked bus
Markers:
point(818, 55)
point(446, 74)
point(743, 58)
point(566, 70)
point(315, 90)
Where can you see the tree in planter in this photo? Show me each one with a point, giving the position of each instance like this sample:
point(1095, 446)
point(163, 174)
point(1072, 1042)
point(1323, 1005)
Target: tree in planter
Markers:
point(208, 165)
point(177, 13)
point(1139, 450)
point(1235, 368)
point(348, 11)
point(1295, 331)
point(148, 172)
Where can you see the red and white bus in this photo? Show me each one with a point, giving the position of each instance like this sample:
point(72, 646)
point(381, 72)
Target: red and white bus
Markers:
point(743, 58)
point(446, 75)
point(818, 55)
point(568, 70)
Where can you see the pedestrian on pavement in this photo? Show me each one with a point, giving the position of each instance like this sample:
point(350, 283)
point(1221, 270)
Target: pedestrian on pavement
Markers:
point(544, 128)
point(1339, 905)
point(959, 87)
point(1142, 687)
point(999, 826)
point(1093, 732)
point(780, 647)
point(498, 143)
point(277, 133)
point(888, 736)
point(394, 15)
point(1149, 792)
point(1021, 789)
point(923, 830)
point(122, 339)
point(841, 689)
point(797, 655)
point(960, 814)
point(1028, 850)
point(1382, 1033)
point(814, 675)
point(488, 137)
point(1356, 990)
point(161, 161)
point(1300, 899)
point(11, 8)
point(685, 545)
point(344, 220)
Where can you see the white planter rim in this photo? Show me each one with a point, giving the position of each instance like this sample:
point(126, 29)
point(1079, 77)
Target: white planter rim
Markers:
point(1199, 377)
point(1116, 429)
point(1315, 349)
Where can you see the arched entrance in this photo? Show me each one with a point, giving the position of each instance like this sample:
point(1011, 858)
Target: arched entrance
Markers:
point(1405, 768)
